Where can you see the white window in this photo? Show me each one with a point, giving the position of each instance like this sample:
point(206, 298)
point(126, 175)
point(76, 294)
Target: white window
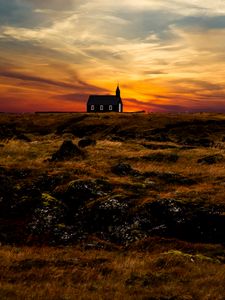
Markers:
point(92, 107)
point(101, 107)
point(110, 107)
point(120, 108)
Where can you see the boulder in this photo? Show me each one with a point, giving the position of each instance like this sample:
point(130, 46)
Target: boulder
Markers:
point(109, 212)
point(187, 221)
point(123, 169)
point(47, 219)
point(77, 192)
point(66, 151)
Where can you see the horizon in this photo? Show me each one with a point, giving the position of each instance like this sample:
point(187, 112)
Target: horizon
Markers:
point(168, 56)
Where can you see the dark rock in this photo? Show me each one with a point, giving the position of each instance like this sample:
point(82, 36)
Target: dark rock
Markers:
point(187, 221)
point(67, 151)
point(86, 142)
point(17, 201)
point(19, 173)
point(48, 219)
point(156, 136)
point(47, 182)
point(26, 199)
point(7, 131)
point(122, 169)
point(1, 145)
point(78, 192)
point(22, 137)
point(211, 159)
point(110, 219)
point(170, 178)
point(203, 142)
point(107, 213)
point(6, 194)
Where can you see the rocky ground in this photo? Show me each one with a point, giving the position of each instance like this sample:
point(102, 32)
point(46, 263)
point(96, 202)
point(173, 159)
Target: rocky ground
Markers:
point(121, 178)
point(106, 180)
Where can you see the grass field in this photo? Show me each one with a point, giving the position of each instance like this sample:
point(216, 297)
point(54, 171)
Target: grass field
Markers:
point(139, 214)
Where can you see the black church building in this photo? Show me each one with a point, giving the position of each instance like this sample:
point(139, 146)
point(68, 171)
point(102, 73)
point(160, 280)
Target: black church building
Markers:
point(105, 103)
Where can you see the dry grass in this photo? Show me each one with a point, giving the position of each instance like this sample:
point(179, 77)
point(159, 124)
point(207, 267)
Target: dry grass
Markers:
point(162, 271)
point(99, 160)
point(72, 273)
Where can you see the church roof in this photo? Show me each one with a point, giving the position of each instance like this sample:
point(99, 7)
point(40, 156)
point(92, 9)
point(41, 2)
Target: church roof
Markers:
point(103, 99)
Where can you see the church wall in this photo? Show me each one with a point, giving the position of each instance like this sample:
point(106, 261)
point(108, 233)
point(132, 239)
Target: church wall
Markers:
point(97, 108)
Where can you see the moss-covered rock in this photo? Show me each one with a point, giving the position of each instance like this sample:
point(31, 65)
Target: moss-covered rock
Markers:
point(78, 192)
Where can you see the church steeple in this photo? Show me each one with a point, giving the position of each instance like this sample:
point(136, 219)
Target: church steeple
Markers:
point(118, 91)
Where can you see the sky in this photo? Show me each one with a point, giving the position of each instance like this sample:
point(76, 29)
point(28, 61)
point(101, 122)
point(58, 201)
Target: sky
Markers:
point(167, 55)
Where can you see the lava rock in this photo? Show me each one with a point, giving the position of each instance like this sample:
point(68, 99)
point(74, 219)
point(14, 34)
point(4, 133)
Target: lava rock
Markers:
point(211, 159)
point(107, 213)
point(67, 151)
point(188, 221)
point(86, 142)
point(47, 219)
point(123, 169)
point(203, 142)
point(78, 192)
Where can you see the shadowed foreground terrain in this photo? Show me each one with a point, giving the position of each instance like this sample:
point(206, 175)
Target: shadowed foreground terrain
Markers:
point(112, 206)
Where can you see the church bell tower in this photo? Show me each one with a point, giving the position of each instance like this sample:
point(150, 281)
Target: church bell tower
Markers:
point(118, 92)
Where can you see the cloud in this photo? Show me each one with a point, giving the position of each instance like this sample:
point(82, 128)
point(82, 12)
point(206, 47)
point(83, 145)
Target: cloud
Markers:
point(53, 4)
point(150, 106)
point(79, 85)
point(75, 97)
point(170, 48)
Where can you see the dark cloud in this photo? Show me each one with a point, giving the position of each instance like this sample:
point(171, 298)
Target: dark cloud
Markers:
point(200, 106)
point(78, 98)
point(154, 72)
point(79, 85)
point(199, 84)
point(32, 49)
point(160, 107)
point(206, 21)
point(18, 13)
point(53, 4)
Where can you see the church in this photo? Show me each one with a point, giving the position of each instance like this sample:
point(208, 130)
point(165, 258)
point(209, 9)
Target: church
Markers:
point(105, 103)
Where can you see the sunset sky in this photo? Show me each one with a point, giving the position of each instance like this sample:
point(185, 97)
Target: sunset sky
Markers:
point(168, 55)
